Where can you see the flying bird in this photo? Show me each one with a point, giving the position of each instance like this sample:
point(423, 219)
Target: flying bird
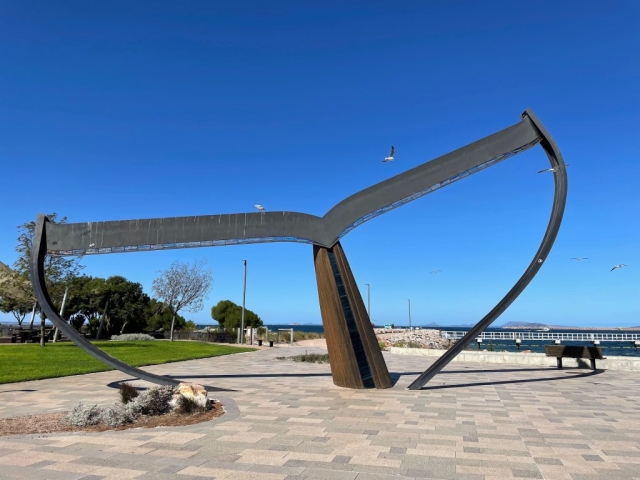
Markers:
point(551, 169)
point(92, 245)
point(259, 207)
point(435, 271)
point(620, 265)
point(580, 258)
point(390, 157)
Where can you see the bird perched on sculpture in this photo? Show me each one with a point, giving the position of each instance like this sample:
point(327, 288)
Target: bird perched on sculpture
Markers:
point(553, 169)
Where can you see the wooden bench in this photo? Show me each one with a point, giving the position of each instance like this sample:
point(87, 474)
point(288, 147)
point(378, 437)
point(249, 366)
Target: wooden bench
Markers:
point(567, 351)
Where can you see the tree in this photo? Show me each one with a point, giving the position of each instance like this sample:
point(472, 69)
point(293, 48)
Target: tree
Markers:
point(85, 301)
point(183, 287)
point(229, 315)
point(127, 304)
point(58, 271)
point(158, 317)
point(17, 307)
point(190, 326)
point(88, 297)
point(13, 296)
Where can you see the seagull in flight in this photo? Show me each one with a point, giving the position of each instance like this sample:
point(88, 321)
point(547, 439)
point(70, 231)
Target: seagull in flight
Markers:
point(580, 258)
point(620, 265)
point(259, 207)
point(435, 271)
point(551, 169)
point(390, 157)
point(92, 245)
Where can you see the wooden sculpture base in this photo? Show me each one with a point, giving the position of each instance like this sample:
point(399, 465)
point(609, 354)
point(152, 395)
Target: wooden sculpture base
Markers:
point(355, 357)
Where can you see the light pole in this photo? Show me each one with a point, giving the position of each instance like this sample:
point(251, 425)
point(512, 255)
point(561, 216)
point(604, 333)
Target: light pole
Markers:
point(244, 295)
point(369, 301)
point(409, 301)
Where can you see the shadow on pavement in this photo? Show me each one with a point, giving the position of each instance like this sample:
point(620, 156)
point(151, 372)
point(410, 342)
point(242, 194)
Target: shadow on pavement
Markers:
point(506, 382)
point(395, 376)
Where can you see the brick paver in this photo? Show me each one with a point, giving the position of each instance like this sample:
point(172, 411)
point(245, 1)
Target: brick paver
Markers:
point(288, 421)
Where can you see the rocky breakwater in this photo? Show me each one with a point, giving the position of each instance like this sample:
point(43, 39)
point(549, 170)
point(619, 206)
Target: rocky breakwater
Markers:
point(423, 338)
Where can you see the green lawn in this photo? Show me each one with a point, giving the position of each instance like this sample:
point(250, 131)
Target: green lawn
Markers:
point(32, 362)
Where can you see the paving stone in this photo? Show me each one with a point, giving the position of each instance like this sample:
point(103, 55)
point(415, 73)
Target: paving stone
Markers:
point(592, 458)
point(472, 420)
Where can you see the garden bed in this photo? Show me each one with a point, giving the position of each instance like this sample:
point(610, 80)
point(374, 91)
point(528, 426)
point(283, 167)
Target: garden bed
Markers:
point(55, 422)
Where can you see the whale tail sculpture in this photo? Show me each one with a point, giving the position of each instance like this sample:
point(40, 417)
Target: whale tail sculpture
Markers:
point(356, 361)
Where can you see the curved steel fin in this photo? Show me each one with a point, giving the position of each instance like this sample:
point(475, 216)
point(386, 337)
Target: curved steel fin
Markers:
point(38, 253)
point(257, 227)
point(557, 211)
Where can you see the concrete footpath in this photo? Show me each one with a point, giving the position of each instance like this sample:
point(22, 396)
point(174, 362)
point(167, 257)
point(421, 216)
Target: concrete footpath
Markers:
point(287, 420)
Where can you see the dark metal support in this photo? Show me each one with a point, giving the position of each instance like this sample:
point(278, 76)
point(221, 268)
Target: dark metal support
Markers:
point(355, 357)
point(557, 211)
point(38, 253)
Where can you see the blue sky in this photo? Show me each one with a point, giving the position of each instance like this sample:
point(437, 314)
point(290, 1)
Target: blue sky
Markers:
point(123, 110)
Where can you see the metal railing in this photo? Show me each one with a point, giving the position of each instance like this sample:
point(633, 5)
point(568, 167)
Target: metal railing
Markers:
point(529, 335)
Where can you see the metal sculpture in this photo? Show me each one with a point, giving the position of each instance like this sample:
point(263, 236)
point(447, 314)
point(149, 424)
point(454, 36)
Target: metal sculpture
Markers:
point(356, 360)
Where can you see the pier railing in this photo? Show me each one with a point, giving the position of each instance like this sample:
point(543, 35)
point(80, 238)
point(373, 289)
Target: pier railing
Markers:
point(566, 336)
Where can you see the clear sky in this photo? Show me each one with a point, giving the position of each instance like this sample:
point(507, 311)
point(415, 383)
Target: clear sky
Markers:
point(124, 110)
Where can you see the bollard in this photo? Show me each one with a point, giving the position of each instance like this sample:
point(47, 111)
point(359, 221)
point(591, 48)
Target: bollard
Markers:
point(271, 343)
point(518, 341)
point(259, 342)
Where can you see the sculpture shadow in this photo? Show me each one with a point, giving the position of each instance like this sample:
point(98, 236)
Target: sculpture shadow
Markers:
point(395, 377)
point(575, 374)
point(208, 388)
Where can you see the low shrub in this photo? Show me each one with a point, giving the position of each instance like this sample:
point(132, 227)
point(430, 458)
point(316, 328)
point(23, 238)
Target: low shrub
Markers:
point(83, 415)
point(131, 336)
point(154, 401)
point(298, 336)
point(127, 392)
point(308, 357)
point(116, 416)
point(188, 406)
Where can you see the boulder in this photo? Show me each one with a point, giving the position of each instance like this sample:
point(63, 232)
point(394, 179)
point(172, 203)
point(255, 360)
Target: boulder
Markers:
point(193, 391)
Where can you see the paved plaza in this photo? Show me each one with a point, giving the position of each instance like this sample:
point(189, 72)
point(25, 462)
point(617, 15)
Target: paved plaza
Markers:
point(287, 420)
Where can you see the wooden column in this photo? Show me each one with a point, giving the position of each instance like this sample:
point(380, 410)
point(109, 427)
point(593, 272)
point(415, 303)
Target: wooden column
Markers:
point(355, 357)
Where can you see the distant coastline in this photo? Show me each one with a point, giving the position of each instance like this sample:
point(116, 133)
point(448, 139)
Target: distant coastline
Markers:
point(562, 327)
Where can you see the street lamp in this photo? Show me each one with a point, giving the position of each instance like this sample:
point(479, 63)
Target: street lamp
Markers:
point(409, 301)
point(244, 295)
point(369, 301)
